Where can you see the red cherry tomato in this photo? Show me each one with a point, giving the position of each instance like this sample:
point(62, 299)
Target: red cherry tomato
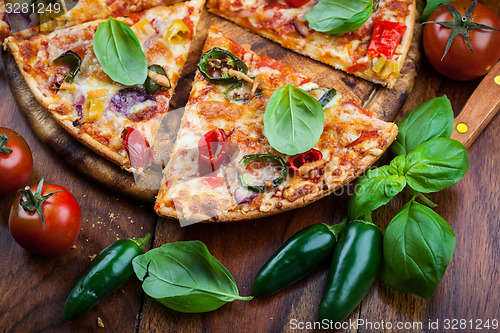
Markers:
point(296, 3)
point(460, 63)
point(16, 161)
point(63, 219)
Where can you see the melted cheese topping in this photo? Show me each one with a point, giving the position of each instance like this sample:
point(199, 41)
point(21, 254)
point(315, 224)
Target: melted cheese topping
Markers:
point(103, 120)
point(347, 52)
point(350, 134)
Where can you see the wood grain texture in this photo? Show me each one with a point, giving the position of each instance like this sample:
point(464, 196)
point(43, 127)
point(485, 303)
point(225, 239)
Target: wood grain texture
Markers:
point(385, 102)
point(481, 107)
point(33, 289)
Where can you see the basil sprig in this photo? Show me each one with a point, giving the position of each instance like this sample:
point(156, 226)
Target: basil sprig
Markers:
point(418, 243)
point(436, 165)
point(185, 277)
point(294, 120)
point(119, 53)
point(339, 16)
point(375, 189)
point(431, 119)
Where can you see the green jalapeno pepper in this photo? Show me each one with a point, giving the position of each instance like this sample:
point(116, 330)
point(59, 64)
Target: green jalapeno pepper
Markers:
point(231, 95)
point(297, 257)
point(327, 94)
point(245, 177)
point(216, 63)
point(152, 86)
point(110, 270)
point(74, 61)
point(355, 265)
point(327, 97)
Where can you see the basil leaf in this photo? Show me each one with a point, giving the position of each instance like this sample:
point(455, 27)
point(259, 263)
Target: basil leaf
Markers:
point(431, 6)
point(431, 119)
point(185, 277)
point(373, 190)
point(418, 246)
point(339, 16)
point(119, 53)
point(436, 165)
point(354, 22)
point(397, 166)
point(294, 120)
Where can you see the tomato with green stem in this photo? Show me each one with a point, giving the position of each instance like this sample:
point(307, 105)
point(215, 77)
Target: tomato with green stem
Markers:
point(461, 39)
point(16, 161)
point(45, 219)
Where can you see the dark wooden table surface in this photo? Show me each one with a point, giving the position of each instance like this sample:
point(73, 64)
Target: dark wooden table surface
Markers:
point(33, 289)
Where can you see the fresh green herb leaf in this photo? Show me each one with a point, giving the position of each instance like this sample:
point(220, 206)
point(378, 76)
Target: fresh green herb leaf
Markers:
point(397, 166)
point(294, 120)
point(119, 53)
point(431, 119)
point(436, 165)
point(354, 22)
point(339, 16)
point(431, 6)
point(418, 246)
point(185, 277)
point(373, 190)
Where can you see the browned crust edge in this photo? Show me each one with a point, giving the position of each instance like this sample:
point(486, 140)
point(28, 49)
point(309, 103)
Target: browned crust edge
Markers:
point(286, 40)
point(237, 215)
point(87, 140)
point(123, 161)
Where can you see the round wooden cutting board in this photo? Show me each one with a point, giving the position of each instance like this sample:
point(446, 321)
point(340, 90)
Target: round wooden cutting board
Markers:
point(386, 103)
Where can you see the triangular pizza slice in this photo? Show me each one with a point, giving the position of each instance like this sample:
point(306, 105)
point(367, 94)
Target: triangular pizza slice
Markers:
point(375, 50)
point(116, 120)
point(27, 18)
point(223, 167)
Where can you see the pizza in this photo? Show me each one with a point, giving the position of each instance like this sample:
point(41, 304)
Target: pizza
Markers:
point(117, 121)
point(223, 167)
point(375, 51)
point(37, 16)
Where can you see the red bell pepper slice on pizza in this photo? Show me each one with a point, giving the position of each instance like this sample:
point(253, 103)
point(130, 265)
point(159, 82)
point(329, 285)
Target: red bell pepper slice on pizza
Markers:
point(386, 36)
point(213, 151)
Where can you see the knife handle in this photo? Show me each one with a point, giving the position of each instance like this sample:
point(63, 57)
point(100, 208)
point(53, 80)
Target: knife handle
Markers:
point(479, 109)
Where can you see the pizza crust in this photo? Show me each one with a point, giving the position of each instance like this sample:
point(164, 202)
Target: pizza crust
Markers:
point(241, 215)
point(47, 102)
point(83, 11)
point(318, 45)
point(353, 139)
point(34, 58)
